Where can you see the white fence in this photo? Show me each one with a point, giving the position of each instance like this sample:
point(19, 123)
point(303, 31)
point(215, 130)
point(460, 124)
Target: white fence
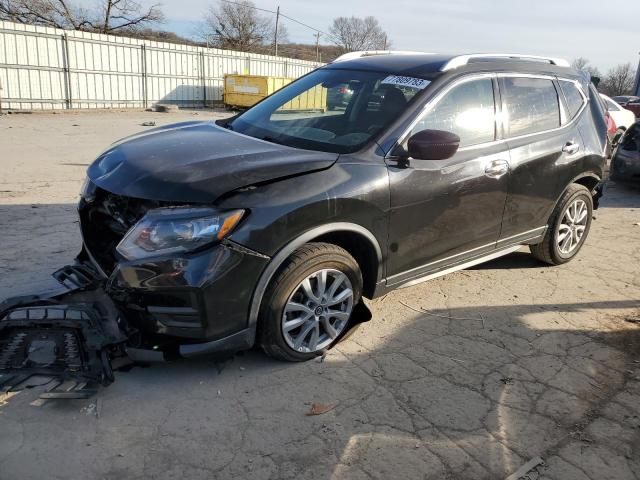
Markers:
point(46, 68)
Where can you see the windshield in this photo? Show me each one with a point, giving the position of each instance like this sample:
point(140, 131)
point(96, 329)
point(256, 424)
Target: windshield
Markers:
point(330, 110)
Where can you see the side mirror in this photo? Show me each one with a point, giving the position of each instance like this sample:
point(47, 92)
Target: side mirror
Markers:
point(433, 145)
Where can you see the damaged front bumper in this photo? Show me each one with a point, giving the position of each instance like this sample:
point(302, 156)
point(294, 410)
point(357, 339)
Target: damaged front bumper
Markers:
point(200, 297)
point(144, 311)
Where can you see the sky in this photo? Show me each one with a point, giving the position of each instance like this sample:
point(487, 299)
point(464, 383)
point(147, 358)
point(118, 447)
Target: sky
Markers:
point(594, 29)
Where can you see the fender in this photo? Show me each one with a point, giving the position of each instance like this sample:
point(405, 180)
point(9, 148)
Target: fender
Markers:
point(288, 249)
point(592, 175)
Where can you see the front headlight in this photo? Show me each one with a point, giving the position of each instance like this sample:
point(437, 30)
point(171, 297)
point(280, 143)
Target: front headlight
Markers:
point(177, 230)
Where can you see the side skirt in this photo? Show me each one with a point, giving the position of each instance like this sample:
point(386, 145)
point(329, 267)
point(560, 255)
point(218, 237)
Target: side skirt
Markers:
point(455, 268)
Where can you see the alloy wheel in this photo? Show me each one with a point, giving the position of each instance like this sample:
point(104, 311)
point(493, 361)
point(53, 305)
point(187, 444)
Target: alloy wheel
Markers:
point(317, 311)
point(572, 226)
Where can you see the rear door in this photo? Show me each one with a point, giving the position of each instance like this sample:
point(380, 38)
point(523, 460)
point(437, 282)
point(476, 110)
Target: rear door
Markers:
point(445, 211)
point(546, 149)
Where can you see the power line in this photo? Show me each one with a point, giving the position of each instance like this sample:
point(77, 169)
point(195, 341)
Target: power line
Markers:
point(279, 13)
point(305, 25)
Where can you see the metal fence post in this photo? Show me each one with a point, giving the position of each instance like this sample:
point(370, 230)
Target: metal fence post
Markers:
point(66, 67)
point(143, 70)
point(203, 76)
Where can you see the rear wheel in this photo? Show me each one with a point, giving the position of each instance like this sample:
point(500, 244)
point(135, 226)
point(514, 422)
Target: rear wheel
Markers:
point(568, 227)
point(309, 302)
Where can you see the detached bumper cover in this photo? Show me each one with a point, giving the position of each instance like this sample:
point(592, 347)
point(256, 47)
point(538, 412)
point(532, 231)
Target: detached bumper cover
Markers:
point(66, 342)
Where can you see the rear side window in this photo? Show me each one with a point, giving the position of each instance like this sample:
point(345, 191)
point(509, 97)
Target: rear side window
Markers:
point(573, 97)
point(611, 105)
point(531, 105)
point(468, 110)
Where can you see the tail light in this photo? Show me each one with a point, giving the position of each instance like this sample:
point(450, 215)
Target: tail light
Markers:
point(611, 125)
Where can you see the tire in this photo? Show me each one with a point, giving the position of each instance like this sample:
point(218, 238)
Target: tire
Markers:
point(616, 138)
point(286, 289)
point(551, 250)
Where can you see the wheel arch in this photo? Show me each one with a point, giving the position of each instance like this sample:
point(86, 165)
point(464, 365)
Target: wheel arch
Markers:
point(350, 236)
point(362, 250)
point(588, 180)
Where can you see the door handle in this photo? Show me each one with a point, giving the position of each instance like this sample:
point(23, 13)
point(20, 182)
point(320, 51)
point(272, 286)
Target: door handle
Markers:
point(571, 148)
point(496, 168)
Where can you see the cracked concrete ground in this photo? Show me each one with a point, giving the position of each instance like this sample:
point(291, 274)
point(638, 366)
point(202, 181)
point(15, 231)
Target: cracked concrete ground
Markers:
point(465, 377)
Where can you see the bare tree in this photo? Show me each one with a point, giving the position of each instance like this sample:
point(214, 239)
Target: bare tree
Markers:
point(111, 16)
point(48, 13)
point(618, 80)
point(580, 63)
point(126, 15)
point(240, 26)
point(354, 33)
point(584, 64)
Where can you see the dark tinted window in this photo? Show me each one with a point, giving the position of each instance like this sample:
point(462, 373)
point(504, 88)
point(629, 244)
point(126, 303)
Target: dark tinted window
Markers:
point(631, 141)
point(531, 105)
point(573, 97)
point(468, 110)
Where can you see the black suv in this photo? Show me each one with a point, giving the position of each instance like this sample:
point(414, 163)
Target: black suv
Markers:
point(271, 226)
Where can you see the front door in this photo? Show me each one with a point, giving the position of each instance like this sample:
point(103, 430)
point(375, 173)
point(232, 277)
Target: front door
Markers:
point(446, 211)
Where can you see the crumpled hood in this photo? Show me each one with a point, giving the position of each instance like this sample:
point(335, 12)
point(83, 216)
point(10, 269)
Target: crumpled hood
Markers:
point(196, 162)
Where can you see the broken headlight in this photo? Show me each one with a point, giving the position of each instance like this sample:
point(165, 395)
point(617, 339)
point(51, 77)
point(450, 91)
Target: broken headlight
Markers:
point(177, 230)
point(88, 190)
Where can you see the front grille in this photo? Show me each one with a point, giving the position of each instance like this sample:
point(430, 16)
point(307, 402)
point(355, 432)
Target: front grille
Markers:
point(105, 218)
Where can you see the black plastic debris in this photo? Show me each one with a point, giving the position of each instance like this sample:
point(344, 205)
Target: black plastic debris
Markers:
point(67, 343)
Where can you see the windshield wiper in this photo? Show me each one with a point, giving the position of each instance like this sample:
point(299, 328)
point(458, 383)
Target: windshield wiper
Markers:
point(271, 140)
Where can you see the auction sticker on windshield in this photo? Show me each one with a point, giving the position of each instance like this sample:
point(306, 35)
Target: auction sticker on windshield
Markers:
point(412, 82)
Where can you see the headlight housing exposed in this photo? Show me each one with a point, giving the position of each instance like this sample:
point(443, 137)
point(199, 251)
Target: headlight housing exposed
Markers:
point(88, 190)
point(177, 230)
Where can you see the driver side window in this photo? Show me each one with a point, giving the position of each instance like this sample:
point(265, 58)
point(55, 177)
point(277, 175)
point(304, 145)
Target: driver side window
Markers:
point(468, 110)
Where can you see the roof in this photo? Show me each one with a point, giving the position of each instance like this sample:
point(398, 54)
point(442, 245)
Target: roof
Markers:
point(427, 64)
point(413, 64)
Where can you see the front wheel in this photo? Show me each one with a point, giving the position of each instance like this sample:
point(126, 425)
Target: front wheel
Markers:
point(309, 302)
point(568, 228)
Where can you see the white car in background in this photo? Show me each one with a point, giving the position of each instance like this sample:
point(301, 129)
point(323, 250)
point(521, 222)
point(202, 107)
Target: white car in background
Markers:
point(624, 118)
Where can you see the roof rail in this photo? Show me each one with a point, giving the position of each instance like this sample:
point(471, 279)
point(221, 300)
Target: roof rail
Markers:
point(461, 60)
point(371, 53)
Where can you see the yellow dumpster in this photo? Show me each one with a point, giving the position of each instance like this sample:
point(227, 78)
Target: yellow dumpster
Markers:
point(243, 91)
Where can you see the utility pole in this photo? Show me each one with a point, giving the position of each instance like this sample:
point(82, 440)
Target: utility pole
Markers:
point(637, 86)
point(317, 46)
point(275, 40)
point(385, 42)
